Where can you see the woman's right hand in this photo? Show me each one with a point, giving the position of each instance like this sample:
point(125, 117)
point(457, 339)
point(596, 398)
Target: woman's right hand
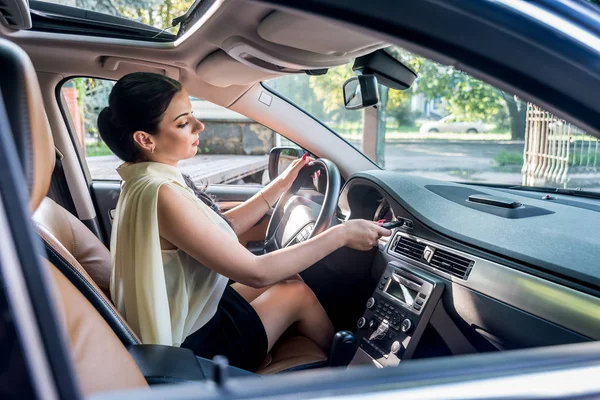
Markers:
point(363, 235)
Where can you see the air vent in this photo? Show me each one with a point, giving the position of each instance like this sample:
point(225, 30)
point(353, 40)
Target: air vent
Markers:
point(451, 263)
point(15, 14)
point(410, 248)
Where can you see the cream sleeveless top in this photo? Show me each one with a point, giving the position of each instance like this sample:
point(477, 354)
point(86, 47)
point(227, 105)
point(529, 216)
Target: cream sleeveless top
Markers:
point(164, 295)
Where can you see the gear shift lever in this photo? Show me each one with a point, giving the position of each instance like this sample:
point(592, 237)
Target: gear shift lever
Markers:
point(343, 349)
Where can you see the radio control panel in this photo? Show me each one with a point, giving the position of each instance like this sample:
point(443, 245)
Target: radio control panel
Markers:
point(397, 313)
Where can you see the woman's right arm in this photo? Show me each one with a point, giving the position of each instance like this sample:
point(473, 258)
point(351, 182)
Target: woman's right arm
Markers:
point(185, 226)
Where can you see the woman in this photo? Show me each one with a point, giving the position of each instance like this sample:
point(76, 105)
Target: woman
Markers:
point(174, 253)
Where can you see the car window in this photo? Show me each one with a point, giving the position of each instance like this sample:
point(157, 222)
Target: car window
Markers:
point(156, 13)
point(451, 126)
point(232, 150)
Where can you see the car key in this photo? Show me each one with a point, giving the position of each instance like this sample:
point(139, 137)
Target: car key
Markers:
point(390, 224)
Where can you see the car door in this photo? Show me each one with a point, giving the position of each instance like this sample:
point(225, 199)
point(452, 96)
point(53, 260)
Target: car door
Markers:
point(448, 124)
point(231, 162)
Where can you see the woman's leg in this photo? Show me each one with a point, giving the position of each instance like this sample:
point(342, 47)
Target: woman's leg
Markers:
point(250, 293)
point(289, 302)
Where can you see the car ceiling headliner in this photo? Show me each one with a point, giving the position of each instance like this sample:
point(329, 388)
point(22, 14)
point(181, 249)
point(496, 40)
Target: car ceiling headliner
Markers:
point(77, 55)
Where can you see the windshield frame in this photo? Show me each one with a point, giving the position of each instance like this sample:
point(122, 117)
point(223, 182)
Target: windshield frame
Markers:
point(287, 100)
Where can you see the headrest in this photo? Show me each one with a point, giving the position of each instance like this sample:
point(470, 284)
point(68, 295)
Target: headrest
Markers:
point(28, 121)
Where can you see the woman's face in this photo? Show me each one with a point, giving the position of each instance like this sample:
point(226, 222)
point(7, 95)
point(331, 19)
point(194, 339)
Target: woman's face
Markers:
point(177, 137)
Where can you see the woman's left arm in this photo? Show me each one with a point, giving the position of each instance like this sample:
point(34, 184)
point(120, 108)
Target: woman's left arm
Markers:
point(247, 214)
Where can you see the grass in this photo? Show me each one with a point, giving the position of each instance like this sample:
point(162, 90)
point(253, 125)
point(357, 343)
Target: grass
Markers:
point(508, 158)
point(397, 135)
point(584, 160)
point(353, 131)
point(100, 149)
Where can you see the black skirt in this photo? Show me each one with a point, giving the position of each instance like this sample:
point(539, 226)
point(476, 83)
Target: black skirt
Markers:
point(235, 331)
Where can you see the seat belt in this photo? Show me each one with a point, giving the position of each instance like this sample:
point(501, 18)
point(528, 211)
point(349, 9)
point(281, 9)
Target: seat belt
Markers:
point(59, 188)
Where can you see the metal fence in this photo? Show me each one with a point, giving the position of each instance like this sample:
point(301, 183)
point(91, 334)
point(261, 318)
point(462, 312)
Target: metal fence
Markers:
point(555, 150)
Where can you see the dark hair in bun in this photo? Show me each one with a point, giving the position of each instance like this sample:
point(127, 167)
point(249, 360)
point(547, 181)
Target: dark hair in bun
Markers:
point(137, 102)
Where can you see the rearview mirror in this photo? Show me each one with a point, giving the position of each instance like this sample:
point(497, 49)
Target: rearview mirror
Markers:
point(360, 92)
point(388, 71)
point(280, 158)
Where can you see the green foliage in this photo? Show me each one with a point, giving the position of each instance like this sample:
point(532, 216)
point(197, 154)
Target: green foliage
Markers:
point(465, 97)
point(99, 149)
point(584, 160)
point(508, 158)
point(92, 98)
point(157, 13)
point(402, 113)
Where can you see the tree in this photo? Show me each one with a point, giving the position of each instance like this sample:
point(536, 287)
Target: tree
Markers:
point(327, 90)
point(93, 93)
point(466, 97)
point(157, 13)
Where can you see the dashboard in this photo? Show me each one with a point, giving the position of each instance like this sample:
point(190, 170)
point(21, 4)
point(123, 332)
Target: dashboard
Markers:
point(513, 270)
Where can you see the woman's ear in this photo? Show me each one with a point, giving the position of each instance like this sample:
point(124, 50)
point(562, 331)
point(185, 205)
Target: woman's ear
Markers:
point(144, 141)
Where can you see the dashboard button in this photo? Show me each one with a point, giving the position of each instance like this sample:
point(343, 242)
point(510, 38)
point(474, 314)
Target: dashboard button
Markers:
point(361, 322)
point(370, 303)
point(406, 325)
point(417, 307)
point(395, 347)
point(419, 302)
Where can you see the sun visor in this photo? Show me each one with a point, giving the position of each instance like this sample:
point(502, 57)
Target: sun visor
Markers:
point(218, 69)
point(314, 35)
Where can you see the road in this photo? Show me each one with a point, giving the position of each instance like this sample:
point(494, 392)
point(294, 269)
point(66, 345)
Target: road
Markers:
point(456, 161)
point(440, 156)
point(442, 160)
point(468, 162)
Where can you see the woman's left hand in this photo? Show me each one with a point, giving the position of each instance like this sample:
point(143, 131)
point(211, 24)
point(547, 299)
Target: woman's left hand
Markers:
point(291, 173)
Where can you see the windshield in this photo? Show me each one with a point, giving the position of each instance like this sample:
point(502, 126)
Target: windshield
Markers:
point(156, 13)
point(453, 127)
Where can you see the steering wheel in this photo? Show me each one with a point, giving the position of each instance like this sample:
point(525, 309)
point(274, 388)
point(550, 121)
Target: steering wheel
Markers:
point(296, 218)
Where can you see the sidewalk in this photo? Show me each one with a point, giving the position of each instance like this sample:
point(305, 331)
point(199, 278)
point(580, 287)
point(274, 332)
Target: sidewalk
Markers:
point(210, 169)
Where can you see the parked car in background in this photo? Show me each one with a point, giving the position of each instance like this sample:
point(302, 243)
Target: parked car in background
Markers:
point(450, 124)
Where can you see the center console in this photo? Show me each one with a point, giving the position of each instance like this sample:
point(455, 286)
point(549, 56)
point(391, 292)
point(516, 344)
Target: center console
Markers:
point(396, 315)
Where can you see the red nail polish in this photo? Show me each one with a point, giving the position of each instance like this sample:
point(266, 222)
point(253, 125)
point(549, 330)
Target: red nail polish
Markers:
point(380, 222)
point(318, 172)
point(304, 157)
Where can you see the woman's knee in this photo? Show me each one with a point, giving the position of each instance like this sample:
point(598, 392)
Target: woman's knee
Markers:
point(300, 293)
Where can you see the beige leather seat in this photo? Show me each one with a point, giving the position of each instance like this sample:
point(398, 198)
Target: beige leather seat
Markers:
point(84, 253)
point(88, 267)
point(101, 361)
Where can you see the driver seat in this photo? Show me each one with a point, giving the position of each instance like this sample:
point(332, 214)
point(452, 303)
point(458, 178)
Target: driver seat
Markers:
point(85, 261)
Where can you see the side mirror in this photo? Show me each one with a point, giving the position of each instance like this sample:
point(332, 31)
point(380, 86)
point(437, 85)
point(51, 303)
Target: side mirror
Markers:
point(360, 92)
point(280, 158)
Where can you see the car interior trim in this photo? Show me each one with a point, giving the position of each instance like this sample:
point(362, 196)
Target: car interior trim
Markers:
point(563, 306)
point(17, 295)
point(554, 21)
point(71, 163)
point(216, 4)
